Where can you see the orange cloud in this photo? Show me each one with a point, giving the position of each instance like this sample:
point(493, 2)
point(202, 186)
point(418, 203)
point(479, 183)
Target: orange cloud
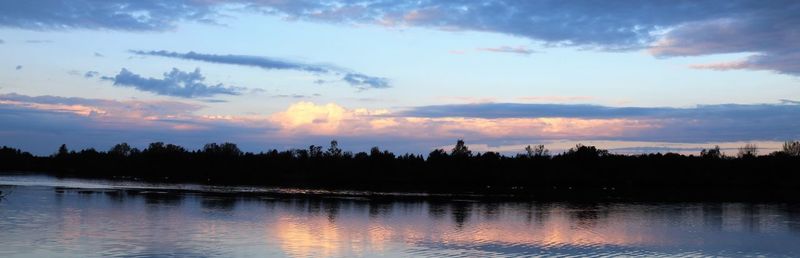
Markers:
point(721, 66)
point(178, 116)
point(82, 110)
point(332, 119)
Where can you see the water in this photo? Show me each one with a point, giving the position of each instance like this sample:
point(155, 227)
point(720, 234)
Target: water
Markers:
point(47, 217)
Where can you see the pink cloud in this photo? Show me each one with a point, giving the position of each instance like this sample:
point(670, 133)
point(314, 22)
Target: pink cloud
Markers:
point(334, 120)
point(509, 49)
point(551, 99)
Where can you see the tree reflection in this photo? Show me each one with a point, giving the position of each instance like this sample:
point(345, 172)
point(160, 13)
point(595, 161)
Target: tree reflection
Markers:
point(460, 211)
point(325, 226)
point(218, 203)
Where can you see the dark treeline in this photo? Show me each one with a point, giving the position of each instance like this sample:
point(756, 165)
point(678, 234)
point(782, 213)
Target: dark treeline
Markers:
point(581, 172)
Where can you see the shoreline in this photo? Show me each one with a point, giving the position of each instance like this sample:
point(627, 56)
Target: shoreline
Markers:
point(129, 186)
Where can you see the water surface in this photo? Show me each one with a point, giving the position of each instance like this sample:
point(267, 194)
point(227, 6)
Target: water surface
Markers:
point(47, 217)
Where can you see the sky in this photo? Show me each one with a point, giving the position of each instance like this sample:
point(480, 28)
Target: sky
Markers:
point(408, 76)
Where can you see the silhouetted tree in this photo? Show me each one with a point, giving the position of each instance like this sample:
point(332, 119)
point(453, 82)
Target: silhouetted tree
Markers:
point(490, 155)
point(304, 154)
point(334, 150)
point(538, 151)
point(461, 150)
point(582, 170)
point(713, 153)
point(122, 149)
point(375, 152)
point(748, 151)
point(62, 151)
point(792, 148)
point(315, 151)
point(437, 154)
point(583, 151)
point(225, 149)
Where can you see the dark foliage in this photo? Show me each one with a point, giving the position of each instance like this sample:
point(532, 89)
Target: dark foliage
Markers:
point(581, 172)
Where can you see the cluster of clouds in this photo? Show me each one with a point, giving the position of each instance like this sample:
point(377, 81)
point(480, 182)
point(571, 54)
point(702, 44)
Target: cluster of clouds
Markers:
point(765, 29)
point(358, 80)
point(175, 83)
point(178, 83)
point(36, 123)
point(46, 120)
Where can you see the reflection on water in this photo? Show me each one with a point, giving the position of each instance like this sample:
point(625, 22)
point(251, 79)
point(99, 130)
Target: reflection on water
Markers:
point(48, 221)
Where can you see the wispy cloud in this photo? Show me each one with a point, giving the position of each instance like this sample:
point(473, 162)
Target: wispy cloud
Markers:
point(555, 99)
point(522, 50)
point(295, 96)
point(357, 80)
point(175, 83)
point(91, 74)
point(38, 41)
point(244, 60)
point(789, 101)
point(521, 110)
point(785, 63)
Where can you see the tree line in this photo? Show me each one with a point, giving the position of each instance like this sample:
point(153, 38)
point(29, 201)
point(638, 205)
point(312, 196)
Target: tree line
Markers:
point(580, 172)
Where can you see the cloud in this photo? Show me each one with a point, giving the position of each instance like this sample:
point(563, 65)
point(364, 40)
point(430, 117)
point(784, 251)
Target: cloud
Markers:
point(254, 61)
point(2, 41)
point(701, 123)
point(128, 15)
point(520, 110)
point(364, 82)
point(769, 36)
point(295, 96)
point(785, 63)
point(667, 28)
point(87, 107)
point(304, 119)
point(357, 80)
point(522, 50)
point(552, 99)
point(175, 83)
point(18, 67)
point(91, 74)
point(41, 123)
point(625, 130)
point(38, 41)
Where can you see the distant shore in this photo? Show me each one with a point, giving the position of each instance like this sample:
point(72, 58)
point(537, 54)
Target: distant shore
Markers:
point(582, 173)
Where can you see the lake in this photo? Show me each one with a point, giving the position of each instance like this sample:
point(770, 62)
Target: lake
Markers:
point(42, 216)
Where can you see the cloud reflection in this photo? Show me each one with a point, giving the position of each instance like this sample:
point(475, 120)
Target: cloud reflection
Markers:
point(162, 222)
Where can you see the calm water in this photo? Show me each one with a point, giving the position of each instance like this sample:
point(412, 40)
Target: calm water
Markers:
point(46, 217)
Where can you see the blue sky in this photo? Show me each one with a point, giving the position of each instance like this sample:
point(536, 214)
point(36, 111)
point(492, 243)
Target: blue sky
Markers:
point(406, 76)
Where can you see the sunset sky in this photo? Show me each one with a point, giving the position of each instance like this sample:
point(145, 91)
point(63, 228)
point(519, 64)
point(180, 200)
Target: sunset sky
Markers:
point(408, 76)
